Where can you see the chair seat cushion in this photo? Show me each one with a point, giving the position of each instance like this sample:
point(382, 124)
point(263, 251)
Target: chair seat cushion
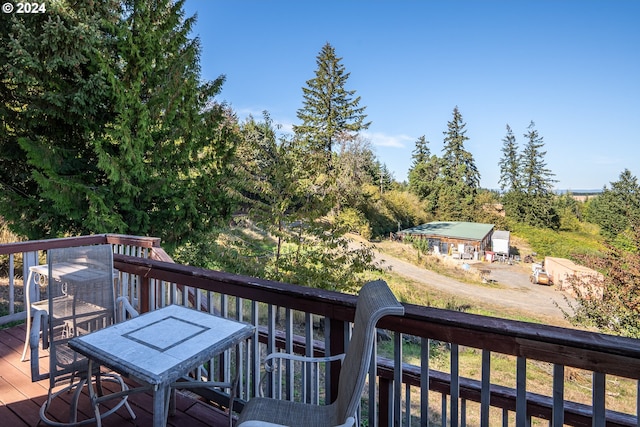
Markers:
point(284, 412)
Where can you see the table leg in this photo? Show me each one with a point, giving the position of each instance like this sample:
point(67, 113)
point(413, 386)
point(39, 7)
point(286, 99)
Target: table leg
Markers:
point(92, 393)
point(160, 405)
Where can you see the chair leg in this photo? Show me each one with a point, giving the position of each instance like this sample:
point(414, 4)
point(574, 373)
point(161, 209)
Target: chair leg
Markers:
point(26, 341)
point(73, 412)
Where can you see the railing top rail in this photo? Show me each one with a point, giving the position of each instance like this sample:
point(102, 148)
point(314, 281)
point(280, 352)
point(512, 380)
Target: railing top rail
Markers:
point(65, 242)
point(141, 241)
point(582, 349)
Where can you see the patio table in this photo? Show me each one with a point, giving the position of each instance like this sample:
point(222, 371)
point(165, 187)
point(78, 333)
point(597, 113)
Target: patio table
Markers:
point(159, 347)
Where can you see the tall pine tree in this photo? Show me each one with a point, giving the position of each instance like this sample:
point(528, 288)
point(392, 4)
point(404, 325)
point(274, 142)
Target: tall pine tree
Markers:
point(509, 163)
point(460, 176)
point(118, 132)
point(167, 148)
point(617, 208)
point(329, 110)
point(424, 173)
point(537, 179)
point(536, 201)
point(55, 101)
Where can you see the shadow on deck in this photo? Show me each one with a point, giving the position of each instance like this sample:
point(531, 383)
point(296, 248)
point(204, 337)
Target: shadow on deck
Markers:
point(20, 399)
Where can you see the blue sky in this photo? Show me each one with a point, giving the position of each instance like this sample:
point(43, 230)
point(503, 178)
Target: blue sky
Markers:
point(572, 67)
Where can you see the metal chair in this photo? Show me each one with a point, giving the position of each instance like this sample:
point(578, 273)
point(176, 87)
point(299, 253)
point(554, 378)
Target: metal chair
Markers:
point(374, 301)
point(84, 302)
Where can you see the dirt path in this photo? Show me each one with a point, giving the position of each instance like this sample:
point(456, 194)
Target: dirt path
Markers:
point(514, 290)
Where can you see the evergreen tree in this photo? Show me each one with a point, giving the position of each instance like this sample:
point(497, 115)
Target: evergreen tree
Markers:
point(424, 173)
point(532, 201)
point(329, 110)
point(168, 146)
point(55, 100)
point(266, 180)
point(460, 177)
point(617, 207)
point(509, 163)
point(458, 163)
point(421, 152)
point(537, 179)
point(119, 133)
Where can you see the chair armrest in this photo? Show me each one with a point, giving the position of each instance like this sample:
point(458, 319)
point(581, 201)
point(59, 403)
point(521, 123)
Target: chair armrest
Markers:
point(270, 368)
point(127, 310)
point(305, 359)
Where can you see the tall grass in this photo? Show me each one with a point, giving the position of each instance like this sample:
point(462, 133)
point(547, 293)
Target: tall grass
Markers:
point(562, 244)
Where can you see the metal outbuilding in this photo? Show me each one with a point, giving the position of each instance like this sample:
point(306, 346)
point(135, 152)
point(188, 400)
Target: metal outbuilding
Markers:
point(453, 237)
point(500, 241)
point(562, 270)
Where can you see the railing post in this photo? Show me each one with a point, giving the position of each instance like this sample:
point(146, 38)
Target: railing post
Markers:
point(145, 305)
point(384, 394)
point(30, 259)
point(336, 346)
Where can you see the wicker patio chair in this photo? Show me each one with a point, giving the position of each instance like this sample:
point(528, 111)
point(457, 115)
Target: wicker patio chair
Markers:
point(374, 302)
point(81, 299)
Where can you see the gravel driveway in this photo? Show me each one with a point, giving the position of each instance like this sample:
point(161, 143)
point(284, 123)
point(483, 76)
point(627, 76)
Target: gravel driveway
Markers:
point(514, 290)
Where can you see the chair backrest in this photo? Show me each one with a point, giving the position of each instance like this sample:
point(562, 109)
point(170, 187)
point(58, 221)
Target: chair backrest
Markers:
point(375, 300)
point(84, 303)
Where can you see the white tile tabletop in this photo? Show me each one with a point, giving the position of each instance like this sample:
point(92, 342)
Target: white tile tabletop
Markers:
point(160, 346)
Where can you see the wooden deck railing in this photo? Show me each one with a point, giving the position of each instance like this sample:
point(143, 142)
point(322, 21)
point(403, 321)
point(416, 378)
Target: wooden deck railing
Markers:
point(406, 393)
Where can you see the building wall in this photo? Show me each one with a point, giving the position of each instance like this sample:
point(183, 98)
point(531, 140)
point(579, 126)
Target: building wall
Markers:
point(561, 269)
point(500, 246)
point(445, 243)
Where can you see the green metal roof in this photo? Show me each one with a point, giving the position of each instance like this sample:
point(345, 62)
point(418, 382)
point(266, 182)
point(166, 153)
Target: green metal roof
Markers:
point(457, 230)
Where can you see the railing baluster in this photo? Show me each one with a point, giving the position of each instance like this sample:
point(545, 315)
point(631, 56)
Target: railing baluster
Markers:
point(463, 413)
point(505, 418)
point(407, 405)
point(224, 312)
point(373, 369)
point(598, 396)
point(558, 395)
point(197, 303)
point(638, 403)
point(485, 393)
point(153, 302)
point(424, 381)
point(307, 380)
point(455, 383)
point(289, 349)
point(30, 259)
point(397, 380)
point(521, 391)
point(242, 351)
point(271, 346)
point(444, 410)
point(173, 293)
point(12, 291)
point(255, 350)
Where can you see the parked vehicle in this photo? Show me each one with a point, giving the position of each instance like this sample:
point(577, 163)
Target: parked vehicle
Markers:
point(540, 277)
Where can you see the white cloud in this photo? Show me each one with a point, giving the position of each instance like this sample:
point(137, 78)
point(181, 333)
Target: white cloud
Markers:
point(285, 127)
point(380, 139)
point(243, 113)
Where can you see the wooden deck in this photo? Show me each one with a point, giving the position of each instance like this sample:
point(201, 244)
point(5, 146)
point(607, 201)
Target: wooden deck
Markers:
point(20, 399)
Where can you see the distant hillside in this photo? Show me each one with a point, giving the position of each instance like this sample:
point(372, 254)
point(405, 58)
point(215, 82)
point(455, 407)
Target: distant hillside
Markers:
point(580, 192)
